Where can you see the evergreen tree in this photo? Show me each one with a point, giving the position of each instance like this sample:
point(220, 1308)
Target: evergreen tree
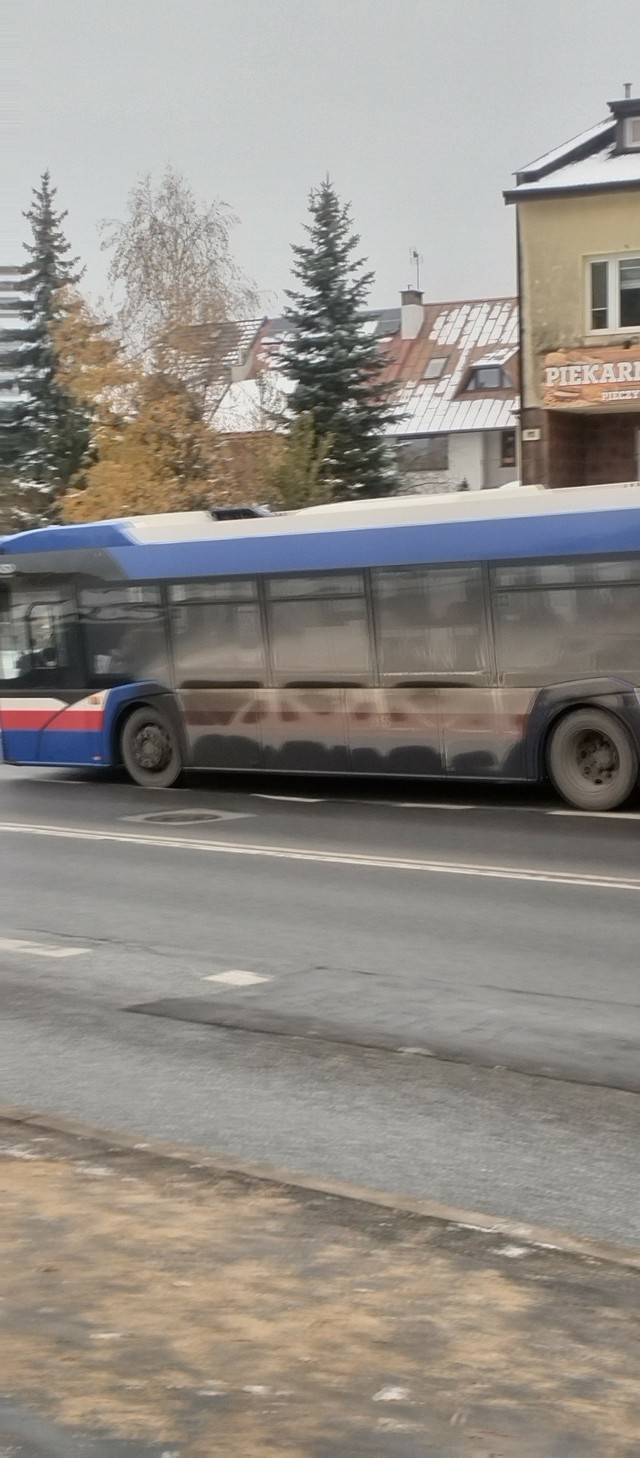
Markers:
point(53, 425)
point(334, 364)
point(297, 478)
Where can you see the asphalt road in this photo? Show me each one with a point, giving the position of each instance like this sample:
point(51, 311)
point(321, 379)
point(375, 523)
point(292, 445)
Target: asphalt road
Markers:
point(427, 993)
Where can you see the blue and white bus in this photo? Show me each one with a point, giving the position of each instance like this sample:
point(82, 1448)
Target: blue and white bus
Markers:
point(484, 635)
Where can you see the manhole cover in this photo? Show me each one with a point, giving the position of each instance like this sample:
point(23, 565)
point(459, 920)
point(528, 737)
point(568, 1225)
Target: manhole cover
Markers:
point(185, 817)
point(182, 817)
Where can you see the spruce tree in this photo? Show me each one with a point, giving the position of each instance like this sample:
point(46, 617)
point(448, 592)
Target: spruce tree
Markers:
point(52, 424)
point(333, 362)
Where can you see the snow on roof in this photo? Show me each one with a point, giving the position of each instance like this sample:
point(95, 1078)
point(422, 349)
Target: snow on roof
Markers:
point(496, 357)
point(476, 332)
point(558, 155)
point(207, 353)
point(603, 169)
point(468, 333)
point(247, 404)
point(589, 161)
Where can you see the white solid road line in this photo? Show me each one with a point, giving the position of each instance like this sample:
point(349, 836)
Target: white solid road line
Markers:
point(329, 858)
point(598, 814)
point(38, 949)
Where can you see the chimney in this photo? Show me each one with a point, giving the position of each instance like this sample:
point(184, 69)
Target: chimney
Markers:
point(411, 313)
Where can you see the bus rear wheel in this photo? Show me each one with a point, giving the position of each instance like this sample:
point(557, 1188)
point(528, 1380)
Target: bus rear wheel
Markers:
point(592, 760)
point(150, 750)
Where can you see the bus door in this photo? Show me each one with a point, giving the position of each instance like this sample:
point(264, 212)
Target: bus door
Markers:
point(39, 664)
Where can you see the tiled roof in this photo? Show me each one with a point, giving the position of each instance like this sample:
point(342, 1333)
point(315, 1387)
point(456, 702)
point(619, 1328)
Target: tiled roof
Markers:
point(471, 333)
point(208, 352)
point(465, 334)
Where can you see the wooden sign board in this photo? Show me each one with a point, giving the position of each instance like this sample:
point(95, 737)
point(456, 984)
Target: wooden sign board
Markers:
point(582, 378)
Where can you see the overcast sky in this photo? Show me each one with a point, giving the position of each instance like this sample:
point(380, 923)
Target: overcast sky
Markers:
point(419, 109)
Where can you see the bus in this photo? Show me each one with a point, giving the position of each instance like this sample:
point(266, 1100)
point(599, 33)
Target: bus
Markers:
point(477, 636)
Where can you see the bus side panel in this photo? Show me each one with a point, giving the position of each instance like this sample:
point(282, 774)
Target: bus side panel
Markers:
point(485, 731)
point(395, 731)
point(304, 730)
point(22, 719)
point(222, 727)
point(74, 735)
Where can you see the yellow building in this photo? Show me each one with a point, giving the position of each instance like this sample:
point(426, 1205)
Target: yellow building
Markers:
point(578, 218)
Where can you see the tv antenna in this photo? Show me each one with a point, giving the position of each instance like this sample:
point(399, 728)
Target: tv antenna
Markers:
point(415, 259)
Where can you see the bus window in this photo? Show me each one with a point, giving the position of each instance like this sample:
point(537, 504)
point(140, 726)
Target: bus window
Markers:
point(124, 634)
point(35, 628)
point(564, 634)
point(318, 629)
point(217, 634)
point(430, 620)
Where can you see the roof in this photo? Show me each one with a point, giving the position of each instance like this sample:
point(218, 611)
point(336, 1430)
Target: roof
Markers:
point(246, 405)
point(208, 352)
point(589, 162)
point(466, 333)
point(465, 526)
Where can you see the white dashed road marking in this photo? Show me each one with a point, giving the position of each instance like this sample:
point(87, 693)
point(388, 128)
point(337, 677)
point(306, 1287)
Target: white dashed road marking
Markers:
point(237, 978)
point(291, 799)
point(38, 949)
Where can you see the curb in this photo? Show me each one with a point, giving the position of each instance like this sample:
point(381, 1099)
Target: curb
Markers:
point(222, 1165)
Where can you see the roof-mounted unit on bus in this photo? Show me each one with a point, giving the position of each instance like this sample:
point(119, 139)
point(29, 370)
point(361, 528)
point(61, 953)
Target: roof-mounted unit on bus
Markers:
point(237, 513)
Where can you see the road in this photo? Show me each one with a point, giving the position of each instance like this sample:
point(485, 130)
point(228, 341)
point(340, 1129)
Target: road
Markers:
point(427, 993)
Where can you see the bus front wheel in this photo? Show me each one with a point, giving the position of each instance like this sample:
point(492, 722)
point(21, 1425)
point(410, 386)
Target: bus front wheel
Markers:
point(150, 750)
point(592, 760)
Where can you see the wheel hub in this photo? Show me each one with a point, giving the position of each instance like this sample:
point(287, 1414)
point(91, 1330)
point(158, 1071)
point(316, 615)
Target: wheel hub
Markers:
point(151, 748)
point(596, 758)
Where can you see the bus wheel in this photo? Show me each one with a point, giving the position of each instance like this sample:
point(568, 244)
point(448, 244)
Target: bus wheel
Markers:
point(592, 760)
point(149, 748)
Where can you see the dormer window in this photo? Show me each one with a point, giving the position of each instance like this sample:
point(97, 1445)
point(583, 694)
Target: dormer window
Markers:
point(631, 134)
point(488, 377)
point(435, 366)
point(626, 114)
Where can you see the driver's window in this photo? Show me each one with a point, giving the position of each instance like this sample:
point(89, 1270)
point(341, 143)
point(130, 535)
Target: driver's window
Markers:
point(33, 636)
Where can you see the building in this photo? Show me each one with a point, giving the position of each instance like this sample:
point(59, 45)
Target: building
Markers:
point(455, 370)
point(16, 305)
point(578, 221)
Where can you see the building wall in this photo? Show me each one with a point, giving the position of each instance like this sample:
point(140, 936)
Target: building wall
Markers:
point(494, 473)
point(557, 236)
point(474, 456)
point(466, 459)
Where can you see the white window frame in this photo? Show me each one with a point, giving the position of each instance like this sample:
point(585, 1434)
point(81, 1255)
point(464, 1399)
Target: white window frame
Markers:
point(430, 373)
point(631, 142)
point(613, 261)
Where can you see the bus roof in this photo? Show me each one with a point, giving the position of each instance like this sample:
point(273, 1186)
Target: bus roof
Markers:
point(460, 526)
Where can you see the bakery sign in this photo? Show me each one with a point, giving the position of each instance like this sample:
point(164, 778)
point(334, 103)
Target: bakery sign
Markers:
point(581, 378)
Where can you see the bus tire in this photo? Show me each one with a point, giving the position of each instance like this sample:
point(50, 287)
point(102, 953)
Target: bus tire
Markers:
point(592, 760)
point(150, 750)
